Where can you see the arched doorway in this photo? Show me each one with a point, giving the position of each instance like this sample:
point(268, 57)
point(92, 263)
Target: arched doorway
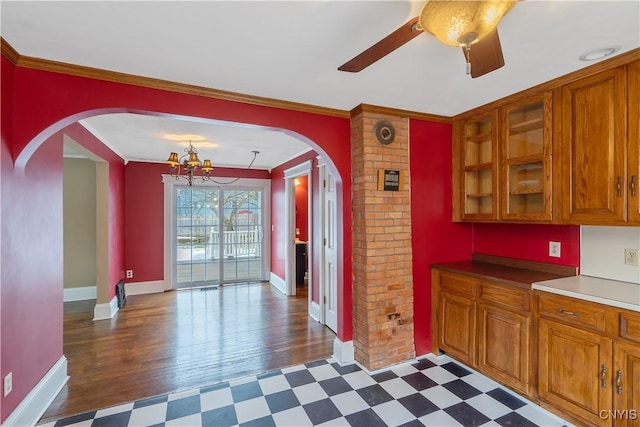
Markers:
point(66, 101)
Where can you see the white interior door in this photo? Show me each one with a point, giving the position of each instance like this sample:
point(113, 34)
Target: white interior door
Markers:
point(330, 253)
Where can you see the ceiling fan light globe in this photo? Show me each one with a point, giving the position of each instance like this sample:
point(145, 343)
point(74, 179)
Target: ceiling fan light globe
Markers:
point(453, 21)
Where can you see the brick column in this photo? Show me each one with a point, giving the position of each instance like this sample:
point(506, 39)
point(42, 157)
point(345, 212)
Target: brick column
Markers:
point(382, 254)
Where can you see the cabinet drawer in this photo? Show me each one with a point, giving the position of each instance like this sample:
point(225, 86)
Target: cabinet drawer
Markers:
point(457, 284)
point(505, 295)
point(630, 326)
point(583, 314)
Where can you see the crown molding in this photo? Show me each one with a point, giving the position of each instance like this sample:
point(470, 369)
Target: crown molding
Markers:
point(607, 64)
point(112, 76)
point(9, 52)
point(396, 112)
point(116, 77)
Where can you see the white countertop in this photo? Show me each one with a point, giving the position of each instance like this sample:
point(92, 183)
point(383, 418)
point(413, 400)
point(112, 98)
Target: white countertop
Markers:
point(603, 291)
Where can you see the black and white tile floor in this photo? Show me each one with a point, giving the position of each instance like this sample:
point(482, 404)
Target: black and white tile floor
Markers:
point(429, 392)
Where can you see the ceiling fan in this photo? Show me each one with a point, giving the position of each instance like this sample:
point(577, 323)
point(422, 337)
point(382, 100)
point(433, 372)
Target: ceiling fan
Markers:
point(471, 25)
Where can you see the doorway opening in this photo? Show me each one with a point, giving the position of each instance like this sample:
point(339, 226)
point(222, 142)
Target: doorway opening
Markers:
point(214, 235)
point(86, 269)
point(298, 235)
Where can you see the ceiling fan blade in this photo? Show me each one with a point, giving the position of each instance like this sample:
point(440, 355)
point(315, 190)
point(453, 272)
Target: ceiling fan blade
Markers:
point(384, 47)
point(486, 55)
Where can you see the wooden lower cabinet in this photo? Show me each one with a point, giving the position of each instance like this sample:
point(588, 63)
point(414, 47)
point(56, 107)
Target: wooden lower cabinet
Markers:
point(457, 334)
point(588, 361)
point(576, 358)
point(503, 346)
point(626, 379)
point(574, 369)
point(485, 325)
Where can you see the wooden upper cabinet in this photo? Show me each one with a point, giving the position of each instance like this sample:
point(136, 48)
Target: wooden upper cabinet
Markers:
point(564, 152)
point(475, 177)
point(526, 159)
point(593, 149)
point(633, 93)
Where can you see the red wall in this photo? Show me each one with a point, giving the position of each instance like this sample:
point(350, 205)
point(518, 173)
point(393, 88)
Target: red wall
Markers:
point(302, 207)
point(144, 216)
point(6, 136)
point(44, 103)
point(144, 221)
point(435, 238)
point(528, 241)
point(47, 101)
point(33, 283)
point(32, 266)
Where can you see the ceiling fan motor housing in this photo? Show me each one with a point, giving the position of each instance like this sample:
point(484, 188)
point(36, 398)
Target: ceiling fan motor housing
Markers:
point(455, 23)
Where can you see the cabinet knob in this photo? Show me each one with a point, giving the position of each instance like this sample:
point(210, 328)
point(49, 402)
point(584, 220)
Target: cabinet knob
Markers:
point(633, 185)
point(603, 376)
point(619, 382)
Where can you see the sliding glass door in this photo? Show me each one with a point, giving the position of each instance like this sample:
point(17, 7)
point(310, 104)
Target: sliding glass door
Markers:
point(241, 235)
point(218, 236)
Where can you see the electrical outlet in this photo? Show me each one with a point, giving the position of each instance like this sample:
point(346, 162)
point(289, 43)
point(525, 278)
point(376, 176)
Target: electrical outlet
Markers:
point(8, 383)
point(129, 274)
point(554, 249)
point(631, 256)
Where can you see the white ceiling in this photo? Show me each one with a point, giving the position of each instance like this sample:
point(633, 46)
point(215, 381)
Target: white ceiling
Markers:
point(290, 50)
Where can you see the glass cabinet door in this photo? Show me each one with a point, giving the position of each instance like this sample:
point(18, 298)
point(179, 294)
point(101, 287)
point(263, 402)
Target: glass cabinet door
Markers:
point(526, 159)
point(479, 151)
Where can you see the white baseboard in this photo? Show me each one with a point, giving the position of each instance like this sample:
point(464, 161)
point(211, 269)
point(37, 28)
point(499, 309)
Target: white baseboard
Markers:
point(29, 411)
point(278, 283)
point(79, 294)
point(141, 288)
point(343, 352)
point(314, 310)
point(105, 310)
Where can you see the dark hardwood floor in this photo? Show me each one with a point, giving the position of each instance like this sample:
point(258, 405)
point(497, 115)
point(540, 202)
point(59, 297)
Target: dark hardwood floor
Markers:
point(159, 343)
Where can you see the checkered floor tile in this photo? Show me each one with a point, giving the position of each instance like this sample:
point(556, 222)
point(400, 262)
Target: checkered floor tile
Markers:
point(429, 392)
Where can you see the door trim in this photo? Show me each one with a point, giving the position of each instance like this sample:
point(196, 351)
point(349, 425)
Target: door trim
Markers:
point(322, 177)
point(303, 169)
point(170, 182)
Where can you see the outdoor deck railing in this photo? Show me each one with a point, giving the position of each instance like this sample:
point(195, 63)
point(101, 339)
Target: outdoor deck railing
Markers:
point(236, 243)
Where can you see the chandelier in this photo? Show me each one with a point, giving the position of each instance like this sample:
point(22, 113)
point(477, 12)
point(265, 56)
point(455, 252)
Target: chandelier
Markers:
point(185, 166)
point(190, 163)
